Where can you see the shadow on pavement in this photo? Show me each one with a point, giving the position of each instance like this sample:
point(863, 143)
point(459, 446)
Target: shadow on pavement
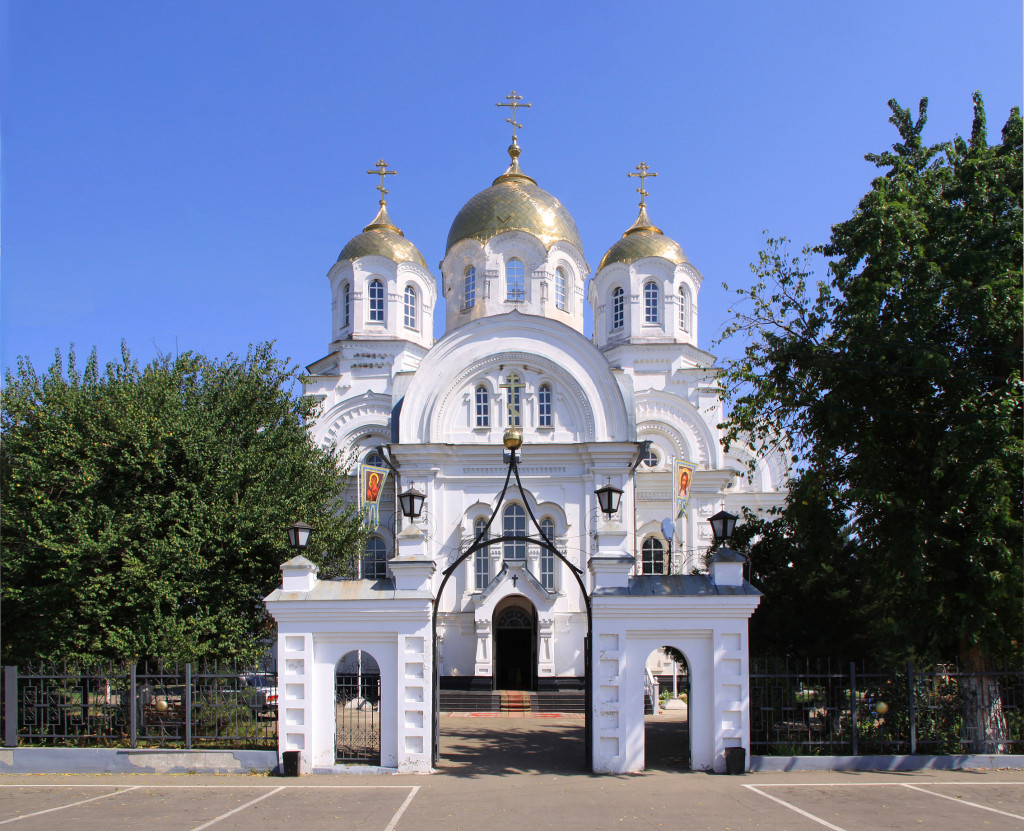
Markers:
point(497, 746)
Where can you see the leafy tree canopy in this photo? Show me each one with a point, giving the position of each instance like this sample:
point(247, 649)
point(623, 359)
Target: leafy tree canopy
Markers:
point(144, 509)
point(895, 386)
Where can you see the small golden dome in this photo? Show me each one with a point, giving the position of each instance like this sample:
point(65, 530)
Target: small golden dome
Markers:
point(643, 239)
point(514, 203)
point(382, 238)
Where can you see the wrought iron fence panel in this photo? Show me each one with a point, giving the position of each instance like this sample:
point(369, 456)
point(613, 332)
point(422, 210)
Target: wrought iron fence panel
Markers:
point(152, 706)
point(832, 708)
point(58, 705)
point(357, 708)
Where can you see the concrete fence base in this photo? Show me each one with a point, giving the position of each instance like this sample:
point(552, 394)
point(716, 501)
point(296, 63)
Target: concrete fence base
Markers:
point(122, 760)
point(781, 764)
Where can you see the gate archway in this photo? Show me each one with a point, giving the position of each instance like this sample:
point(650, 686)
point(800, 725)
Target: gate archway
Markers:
point(484, 540)
point(357, 709)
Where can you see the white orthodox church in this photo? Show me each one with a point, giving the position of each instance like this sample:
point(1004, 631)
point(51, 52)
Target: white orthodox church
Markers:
point(619, 407)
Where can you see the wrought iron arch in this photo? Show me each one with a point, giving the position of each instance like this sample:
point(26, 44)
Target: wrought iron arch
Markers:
point(481, 540)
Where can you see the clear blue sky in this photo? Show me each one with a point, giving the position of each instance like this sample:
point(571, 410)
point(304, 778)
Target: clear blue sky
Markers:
point(182, 175)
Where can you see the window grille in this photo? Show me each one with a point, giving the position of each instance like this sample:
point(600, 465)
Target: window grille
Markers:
point(547, 558)
point(560, 289)
point(684, 316)
point(376, 301)
point(653, 556)
point(651, 457)
point(514, 524)
point(544, 406)
point(481, 559)
point(375, 559)
point(651, 302)
point(346, 305)
point(514, 280)
point(470, 292)
point(483, 409)
point(618, 308)
point(410, 307)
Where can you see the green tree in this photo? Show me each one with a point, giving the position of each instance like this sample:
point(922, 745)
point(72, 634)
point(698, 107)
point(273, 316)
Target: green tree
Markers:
point(896, 385)
point(144, 509)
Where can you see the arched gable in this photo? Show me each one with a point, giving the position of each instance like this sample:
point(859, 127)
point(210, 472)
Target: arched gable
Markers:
point(592, 405)
point(680, 424)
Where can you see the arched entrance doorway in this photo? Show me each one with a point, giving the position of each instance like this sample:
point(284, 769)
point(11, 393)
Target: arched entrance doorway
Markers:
point(666, 710)
point(515, 646)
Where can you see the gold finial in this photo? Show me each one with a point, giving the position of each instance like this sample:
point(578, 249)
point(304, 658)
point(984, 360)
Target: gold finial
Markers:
point(513, 102)
point(642, 174)
point(382, 171)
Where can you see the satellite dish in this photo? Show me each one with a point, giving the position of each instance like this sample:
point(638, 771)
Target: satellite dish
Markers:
point(668, 528)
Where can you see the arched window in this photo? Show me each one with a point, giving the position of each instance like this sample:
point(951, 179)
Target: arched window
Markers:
point(684, 309)
point(547, 559)
point(373, 458)
point(618, 308)
point(651, 457)
point(470, 292)
point(515, 276)
point(481, 558)
point(483, 407)
point(376, 301)
point(514, 524)
point(346, 305)
point(652, 314)
point(375, 559)
point(653, 556)
point(544, 406)
point(410, 307)
point(560, 289)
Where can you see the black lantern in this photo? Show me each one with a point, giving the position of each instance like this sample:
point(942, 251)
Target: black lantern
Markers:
point(298, 535)
point(608, 496)
point(722, 525)
point(412, 503)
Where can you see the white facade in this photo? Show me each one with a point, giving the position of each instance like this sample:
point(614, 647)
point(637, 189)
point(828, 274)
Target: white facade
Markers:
point(513, 278)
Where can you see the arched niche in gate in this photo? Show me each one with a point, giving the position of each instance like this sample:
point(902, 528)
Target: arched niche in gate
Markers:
point(357, 698)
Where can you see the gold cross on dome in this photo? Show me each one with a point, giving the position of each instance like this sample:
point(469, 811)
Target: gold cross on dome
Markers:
point(514, 385)
point(513, 102)
point(642, 174)
point(382, 171)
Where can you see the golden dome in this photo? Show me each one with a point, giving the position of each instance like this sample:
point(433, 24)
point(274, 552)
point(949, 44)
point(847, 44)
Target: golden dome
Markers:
point(382, 238)
point(643, 239)
point(514, 203)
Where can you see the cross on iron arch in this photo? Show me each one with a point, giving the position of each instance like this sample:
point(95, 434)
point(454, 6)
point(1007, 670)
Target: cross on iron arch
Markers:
point(382, 171)
point(643, 173)
point(514, 384)
point(513, 101)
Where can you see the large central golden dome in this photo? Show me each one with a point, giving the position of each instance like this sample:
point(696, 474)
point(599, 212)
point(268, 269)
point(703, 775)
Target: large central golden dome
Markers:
point(514, 203)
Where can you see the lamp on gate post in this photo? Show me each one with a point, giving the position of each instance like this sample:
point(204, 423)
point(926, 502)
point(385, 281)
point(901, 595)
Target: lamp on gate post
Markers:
point(298, 535)
point(608, 497)
point(411, 502)
point(722, 525)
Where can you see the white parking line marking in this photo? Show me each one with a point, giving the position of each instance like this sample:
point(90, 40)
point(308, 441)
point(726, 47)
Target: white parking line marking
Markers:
point(962, 801)
point(69, 805)
point(239, 808)
point(792, 807)
point(401, 810)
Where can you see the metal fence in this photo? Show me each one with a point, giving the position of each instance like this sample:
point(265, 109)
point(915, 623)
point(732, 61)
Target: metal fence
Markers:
point(208, 706)
point(838, 708)
point(357, 710)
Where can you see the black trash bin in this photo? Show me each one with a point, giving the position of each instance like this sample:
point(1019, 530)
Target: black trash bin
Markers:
point(735, 760)
point(292, 762)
